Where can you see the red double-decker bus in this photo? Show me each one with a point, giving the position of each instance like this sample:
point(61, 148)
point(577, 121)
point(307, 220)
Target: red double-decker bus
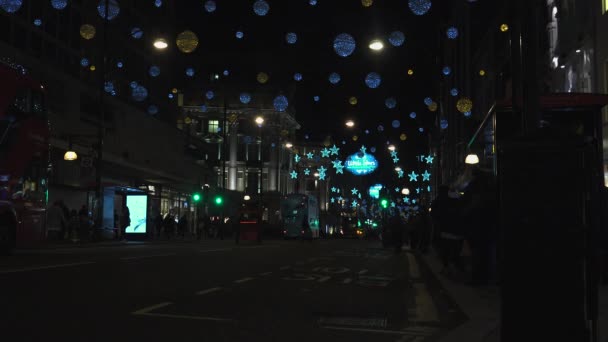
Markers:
point(24, 158)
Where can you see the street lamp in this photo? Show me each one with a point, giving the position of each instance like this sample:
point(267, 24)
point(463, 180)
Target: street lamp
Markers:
point(397, 169)
point(350, 123)
point(376, 45)
point(405, 191)
point(160, 43)
point(472, 159)
point(259, 120)
point(288, 145)
point(247, 197)
point(391, 147)
point(70, 155)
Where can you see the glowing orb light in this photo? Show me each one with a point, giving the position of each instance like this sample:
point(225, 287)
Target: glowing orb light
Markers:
point(410, 72)
point(261, 8)
point(334, 78)
point(353, 100)
point(291, 38)
point(137, 33)
point(420, 129)
point(344, 45)
point(482, 72)
point(433, 107)
point(396, 38)
point(262, 77)
point(413, 115)
point(504, 28)
point(11, 6)
point(367, 3)
point(380, 128)
point(190, 72)
point(37, 22)
point(454, 92)
point(464, 105)
point(280, 103)
point(373, 80)
point(245, 98)
point(452, 32)
point(312, 2)
point(158, 3)
point(139, 93)
point(210, 6)
point(154, 71)
point(239, 34)
point(59, 4)
point(297, 77)
point(133, 85)
point(113, 9)
point(355, 138)
point(316, 98)
point(92, 68)
point(446, 70)
point(390, 103)
point(87, 31)
point(467, 114)
point(210, 95)
point(419, 7)
point(403, 137)
point(187, 41)
point(396, 123)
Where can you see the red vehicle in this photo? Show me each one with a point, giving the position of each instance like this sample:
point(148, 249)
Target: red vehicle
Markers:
point(24, 159)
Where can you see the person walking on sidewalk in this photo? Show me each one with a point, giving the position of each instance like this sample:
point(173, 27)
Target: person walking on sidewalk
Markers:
point(444, 214)
point(55, 221)
point(158, 225)
point(169, 225)
point(124, 223)
point(396, 227)
point(182, 226)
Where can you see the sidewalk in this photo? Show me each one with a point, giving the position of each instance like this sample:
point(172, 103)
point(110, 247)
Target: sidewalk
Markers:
point(106, 243)
point(482, 306)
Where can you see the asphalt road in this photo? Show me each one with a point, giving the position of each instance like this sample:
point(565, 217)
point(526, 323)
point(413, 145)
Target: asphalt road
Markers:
point(328, 290)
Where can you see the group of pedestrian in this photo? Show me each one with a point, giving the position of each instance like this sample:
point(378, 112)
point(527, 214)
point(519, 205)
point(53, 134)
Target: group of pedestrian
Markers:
point(65, 224)
point(169, 226)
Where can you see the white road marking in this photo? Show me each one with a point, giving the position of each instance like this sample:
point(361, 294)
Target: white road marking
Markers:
point(265, 273)
point(413, 266)
point(213, 289)
point(324, 279)
point(199, 318)
point(378, 331)
point(243, 280)
point(362, 271)
point(48, 267)
point(215, 250)
point(151, 308)
point(284, 268)
point(147, 256)
point(425, 310)
point(347, 280)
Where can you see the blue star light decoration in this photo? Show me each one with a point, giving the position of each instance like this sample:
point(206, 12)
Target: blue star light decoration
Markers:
point(373, 80)
point(406, 200)
point(393, 204)
point(354, 191)
point(363, 149)
point(417, 191)
point(397, 189)
point(426, 176)
point(310, 155)
point(325, 153)
point(333, 189)
point(393, 154)
point(413, 176)
point(395, 160)
point(429, 159)
point(297, 158)
point(294, 174)
point(354, 203)
point(359, 195)
point(419, 7)
point(334, 150)
point(333, 200)
point(344, 45)
point(340, 198)
point(428, 188)
point(322, 170)
point(337, 163)
point(307, 172)
point(400, 173)
point(340, 169)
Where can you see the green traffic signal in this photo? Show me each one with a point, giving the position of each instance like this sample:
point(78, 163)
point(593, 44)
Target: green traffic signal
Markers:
point(219, 200)
point(384, 203)
point(196, 197)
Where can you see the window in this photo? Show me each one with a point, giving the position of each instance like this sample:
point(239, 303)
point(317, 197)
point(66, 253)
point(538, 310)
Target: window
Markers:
point(213, 126)
point(604, 6)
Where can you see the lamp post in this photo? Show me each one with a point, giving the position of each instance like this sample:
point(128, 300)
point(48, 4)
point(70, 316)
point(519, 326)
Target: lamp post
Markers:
point(260, 122)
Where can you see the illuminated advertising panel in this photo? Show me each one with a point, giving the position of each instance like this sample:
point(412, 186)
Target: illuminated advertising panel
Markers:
point(374, 191)
point(360, 164)
point(138, 210)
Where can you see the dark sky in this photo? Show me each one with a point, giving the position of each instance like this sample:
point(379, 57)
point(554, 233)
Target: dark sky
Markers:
point(264, 48)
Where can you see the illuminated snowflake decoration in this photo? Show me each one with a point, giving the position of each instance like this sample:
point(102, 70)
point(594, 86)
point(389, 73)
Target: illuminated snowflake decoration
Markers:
point(297, 77)
point(280, 103)
point(452, 33)
point(245, 98)
point(137, 33)
point(113, 9)
point(239, 34)
point(446, 70)
point(139, 93)
point(154, 71)
point(373, 80)
point(390, 103)
point(59, 4)
point(37, 22)
point(419, 7)
point(261, 8)
point(11, 6)
point(344, 45)
point(210, 6)
point(334, 78)
point(291, 38)
point(396, 38)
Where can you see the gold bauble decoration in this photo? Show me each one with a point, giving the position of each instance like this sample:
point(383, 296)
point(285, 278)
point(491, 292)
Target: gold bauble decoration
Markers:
point(174, 90)
point(402, 137)
point(353, 101)
point(262, 77)
point(504, 28)
point(87, 31)
point(355, 138)
point(187, 41)
point(187, 120)
point(410, 72)
point(482, 72)
point(464, 105)
point(367, 3)
point(433, 107)
point(92, 68)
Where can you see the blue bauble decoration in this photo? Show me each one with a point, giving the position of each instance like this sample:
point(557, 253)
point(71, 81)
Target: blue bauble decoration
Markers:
point(239, 34)
point(139, 93)
point(210, 6)
point(420, 129)
point(245, 98)
point(454, 92)
point(280, 103)
point(291, 38)
point(396, 123)
point(84, 62)
point(443, 124)
point(152, 110)
point(37, 22)
point(367, 131)
point(137, 33)
point(113, 9)
point(446, 70)
point(59, 4)
point(210, 95)
point(344, 44)
point(396, 38)
point(373, 80)
point(133, 85)
point(413, 115)
point(428, 101)
point(467, 114)
point(373, 150)
point(226, 73)
point(204, 108)
point(158, 3)
point(170, 95)
point(297, 77)
point(452, 33)
point(334, 78)
point(312, 2)
point(108, 87)
point(11, 6)
point(390, 103)
point(316, 98)
point(190, 72)
point(419, 7)
point(154, 71)
point(261, 8)
point(380, 128)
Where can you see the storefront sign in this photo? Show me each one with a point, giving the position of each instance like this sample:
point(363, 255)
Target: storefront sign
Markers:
point(360, 164)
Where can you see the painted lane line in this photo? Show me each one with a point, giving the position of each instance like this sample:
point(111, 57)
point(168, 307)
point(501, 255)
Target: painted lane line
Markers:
point(213, 289)
point(362, 271)
point(39, 268)
point(324, 279)
point(413, 266)
point(265, 273)
point(147, 256)
point(243, 280)
point(151, 308)
point(284, 268)
point(425, 310)
point(215, 250)
point(347, 280)
point(199, 318)
point(378, 331)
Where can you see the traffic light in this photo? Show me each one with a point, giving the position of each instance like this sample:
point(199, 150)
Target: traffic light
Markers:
point(384, 203)
point(219, 200)
point(196, 197)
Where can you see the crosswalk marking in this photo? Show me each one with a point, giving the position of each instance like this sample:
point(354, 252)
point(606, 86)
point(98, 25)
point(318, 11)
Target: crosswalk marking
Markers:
point(425, 309)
